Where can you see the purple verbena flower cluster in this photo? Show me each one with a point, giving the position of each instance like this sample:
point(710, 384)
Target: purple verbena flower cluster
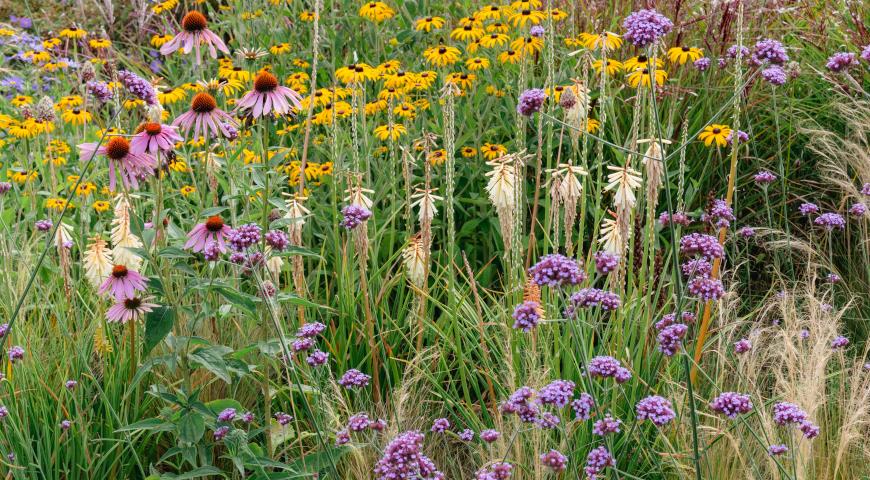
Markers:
point(731, 404)
point(656, 409)
point(403, 459)
point(606, 367)
point(841, 61)
point(531, 101)
point(606, 262)
point(527, 315)
point(354, 216)
point(353, 378)
point(556, 270)
point(645, 27)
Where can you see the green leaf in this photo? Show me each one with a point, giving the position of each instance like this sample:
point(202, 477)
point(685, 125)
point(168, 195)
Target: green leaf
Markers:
point(174, 253)
point(212, 361)
point(218, 406)
point(201, 472)
point(191, 428)
point(158, 324)
point(294, 299)
point(210, 212)
point(153, 424)
point(239, 299)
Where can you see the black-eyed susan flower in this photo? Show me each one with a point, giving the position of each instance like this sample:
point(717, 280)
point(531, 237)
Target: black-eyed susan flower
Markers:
point(164, 6)
point(491, 151)
point(280, 49)
point(470, 20)
point(307, 16)
point(715, 133)
point(99, 43)
point(527, 16)
point(494, 40)
point(477, 63)
point(158, 41)
point(529, 4)
point(592, 125)
point(441, 55)
point(399, 80)
point(427, 24)
point(468, 33)
point(461, 79)
point(389, 67)
point(393, 133)
point(510, 56)
point(76, 116)
point(557, 14)
point(596, 41)
point(376, 11)
point(491, 12)
point(21, 100)
point(468, 152)
point(394, 94)
point(528, 45)
point(187, 190)
point(171, 96)
point(405, 110)
point(494, 91)
point(498, 27)
point(641, 61)
point(69, 101)
point(73, 33)
point(356, 73)
point(51, 43)
point(86, 188)
point(372, 108)
point(555, 93)
point(101, 206)
point(613, 67)
point(437, 157)
point(425, 79)
point(681, 55)
point(643, 77)
point(236, 73)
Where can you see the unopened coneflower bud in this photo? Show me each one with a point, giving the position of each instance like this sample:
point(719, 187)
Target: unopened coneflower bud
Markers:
point(44, 110)
point(87, 72)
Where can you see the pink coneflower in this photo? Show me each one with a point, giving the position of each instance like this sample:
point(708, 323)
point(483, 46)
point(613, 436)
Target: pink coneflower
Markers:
point(204, 117)
point(128, 309)
point(213, 230)
point(194, 32)
point(153, 137)
point(124, 164)
point(123, 283)
point(268, 96)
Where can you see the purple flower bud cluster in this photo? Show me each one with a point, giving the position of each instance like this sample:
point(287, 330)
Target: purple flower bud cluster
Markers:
point(353, 378)
point(656, 409)
point(774, 75)
point(358, 422)
point(244, 236)
point(733, 53)
point(670, 338)
point(43, 225)
point(865, 53)
point(354, 216)
point(496, 471)
point(829, 221)
point(527, 315)
point(16, 353)
point(302, 345)
point(679, 218)
point(277, 239)
point(786, 414)
point(466, 435)
point(536, 31)
point(403, 459)
point(696, 267)
point(221, 432)
point(282, 418)
point(720, 214)
point(706, 288)
point(858, 209)
point(531, 101)
point(645, 27)
point(138, 87)
point(606, 426)
point(743, 345)
point(671, 319)
point(865, 189)
point(583, 406)
point(227, 415)
point(746, 232)
point(742, 137)
point(71, 385)
point(440, 425)
point(808, 208)
point(554, 460)
point(317, 358)
point(597, 460)
point(606, 262)
point(310, 330)
point(606, 367)
point(521, 403)
point(731, 404)
point(706, 246)
point(557, 393)
point(776, 450)
point(769, 51)
point(702, 64)
point(764, 177)
point(839, 342)
point(841, 61)
point(99, 90)
point(592, 297)
point(489, 435)
point(556, 270)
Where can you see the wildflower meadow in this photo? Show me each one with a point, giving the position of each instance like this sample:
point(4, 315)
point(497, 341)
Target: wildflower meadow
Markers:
point(420, 240)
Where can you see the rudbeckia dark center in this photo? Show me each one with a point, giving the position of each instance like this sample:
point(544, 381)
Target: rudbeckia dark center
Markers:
point(117, 148)
point(194, 22)
point(716, 131)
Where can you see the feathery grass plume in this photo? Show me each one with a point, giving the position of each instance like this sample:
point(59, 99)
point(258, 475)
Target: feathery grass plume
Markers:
point(565, 179)
point(501, 188)
point(97, 260)
point(122, 237)
point(653, 162)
